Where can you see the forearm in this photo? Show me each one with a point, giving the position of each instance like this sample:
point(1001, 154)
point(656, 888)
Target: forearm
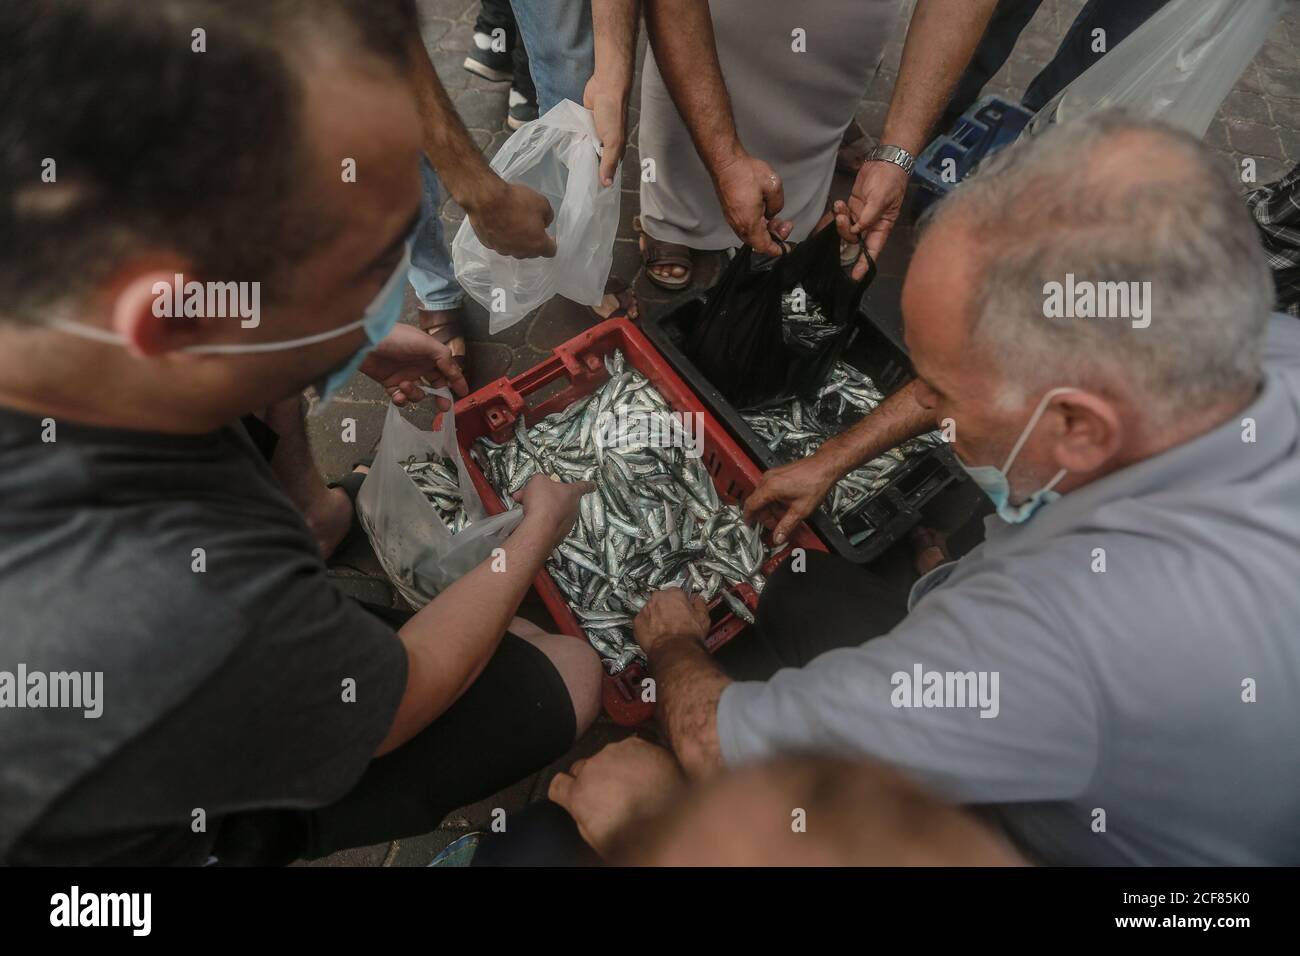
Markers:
point(941, 40)
point(898, 418)
point(450, 641)
point(614, 25)
point(681, 35)
point(689, 685)
point(460, 165)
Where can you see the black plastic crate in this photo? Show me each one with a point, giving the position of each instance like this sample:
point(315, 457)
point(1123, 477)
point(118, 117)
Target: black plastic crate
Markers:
point(893, 510)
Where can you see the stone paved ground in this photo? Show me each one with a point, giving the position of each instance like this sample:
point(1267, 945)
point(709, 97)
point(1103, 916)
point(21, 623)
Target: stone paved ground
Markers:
point(1259, 119)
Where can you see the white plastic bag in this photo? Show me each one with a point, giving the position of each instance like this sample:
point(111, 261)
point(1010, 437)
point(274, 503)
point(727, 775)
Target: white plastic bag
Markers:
point(419, 552)
point(557, 156)
point(1177, 67)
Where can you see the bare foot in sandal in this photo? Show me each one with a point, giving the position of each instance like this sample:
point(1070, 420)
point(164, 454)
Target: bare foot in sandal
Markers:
point(448, 327)
point(619, 302)
point(667, 264)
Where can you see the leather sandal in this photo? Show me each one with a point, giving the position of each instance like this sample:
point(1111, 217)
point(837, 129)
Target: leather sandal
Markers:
point(657, 253)
point(448, 327)
point(627, 308)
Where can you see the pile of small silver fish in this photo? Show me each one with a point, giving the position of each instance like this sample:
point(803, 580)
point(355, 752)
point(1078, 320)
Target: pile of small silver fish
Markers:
point(803, 322)
point(796, 429)
point(437, 479)
point(655, 522)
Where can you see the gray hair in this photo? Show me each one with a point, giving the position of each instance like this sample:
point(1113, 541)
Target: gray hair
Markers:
point(1110, 198)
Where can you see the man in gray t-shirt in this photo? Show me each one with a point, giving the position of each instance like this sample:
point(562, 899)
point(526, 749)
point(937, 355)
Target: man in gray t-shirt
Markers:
point(178, 677)
point(1114, 674)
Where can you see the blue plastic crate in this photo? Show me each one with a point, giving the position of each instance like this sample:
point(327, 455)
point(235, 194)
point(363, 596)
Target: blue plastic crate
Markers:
point(988, 126)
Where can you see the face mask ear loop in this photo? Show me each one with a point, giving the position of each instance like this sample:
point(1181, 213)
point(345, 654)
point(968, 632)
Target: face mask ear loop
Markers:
point(94, 333)
point(235, 348)
point(1029, 429)
point(97, 334)
point(1057, 480)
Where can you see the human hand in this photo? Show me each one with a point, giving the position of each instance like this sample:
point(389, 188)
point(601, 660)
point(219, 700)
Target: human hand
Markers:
point(607, 99)
point(751, 195)
point(626, 781)
point(511, 219)
point(873, 208)
point(792, 491)
point(553, 504)
point(407, 363)
point(668, 614)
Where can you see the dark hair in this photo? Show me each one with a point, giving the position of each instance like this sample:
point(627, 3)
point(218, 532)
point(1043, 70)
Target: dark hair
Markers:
point(154, 143)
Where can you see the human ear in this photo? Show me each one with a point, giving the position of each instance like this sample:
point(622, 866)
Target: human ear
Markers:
point(143, 313)
point(1092, 432)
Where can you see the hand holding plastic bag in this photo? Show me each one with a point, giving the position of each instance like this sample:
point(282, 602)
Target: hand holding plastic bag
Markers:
point(419, 553)
point(556, 155)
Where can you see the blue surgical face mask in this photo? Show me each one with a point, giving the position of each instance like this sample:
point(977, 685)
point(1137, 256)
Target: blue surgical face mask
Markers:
point(994, 482)
point(380, 316)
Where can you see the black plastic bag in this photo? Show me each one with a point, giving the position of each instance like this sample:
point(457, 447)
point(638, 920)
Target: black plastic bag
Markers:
point(739, 340)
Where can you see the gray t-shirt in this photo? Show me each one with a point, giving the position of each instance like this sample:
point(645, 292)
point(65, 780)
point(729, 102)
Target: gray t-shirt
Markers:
point(223, 688)
point(1147, 713)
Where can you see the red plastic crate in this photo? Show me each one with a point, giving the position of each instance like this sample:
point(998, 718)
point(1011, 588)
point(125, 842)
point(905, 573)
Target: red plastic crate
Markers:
point(574, 370)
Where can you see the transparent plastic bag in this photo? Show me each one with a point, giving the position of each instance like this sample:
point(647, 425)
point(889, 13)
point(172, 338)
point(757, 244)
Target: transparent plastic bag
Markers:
point(1177, 67)
point(557, 155)
point(419, 552)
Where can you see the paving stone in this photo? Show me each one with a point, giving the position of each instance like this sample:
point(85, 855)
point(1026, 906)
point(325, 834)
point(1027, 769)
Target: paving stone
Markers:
point(632, 168)
point(420, 851)
point(1250, 80)
point(1269, 171)
point(498, 140)
point(1217, 134)
point(1244, 105)
point(483, 111)
point(362, 388)
point(479, 815)
point(871, 114)
point(1254, 139)
point(557, 322)
point(487, 362)
point(361, 856)
point(1277, 53)
point(627, 259)
point(449, 64)
point(334, 457)
point(1280, 82)
point(433, 30)
point(1290, 145)
point(1286, 111)
point(511, 337)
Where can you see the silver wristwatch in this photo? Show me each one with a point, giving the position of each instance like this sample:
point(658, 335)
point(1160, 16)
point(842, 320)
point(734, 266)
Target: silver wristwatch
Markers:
point(892, 154)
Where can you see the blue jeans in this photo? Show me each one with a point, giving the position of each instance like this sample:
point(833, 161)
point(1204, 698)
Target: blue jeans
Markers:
point(1118, 18)
point(557, 34)
point(431, 273)
point(558, 37)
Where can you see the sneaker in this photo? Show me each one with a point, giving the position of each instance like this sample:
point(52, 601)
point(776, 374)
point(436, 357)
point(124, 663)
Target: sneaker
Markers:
point(523, 109)
point(488, 63)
